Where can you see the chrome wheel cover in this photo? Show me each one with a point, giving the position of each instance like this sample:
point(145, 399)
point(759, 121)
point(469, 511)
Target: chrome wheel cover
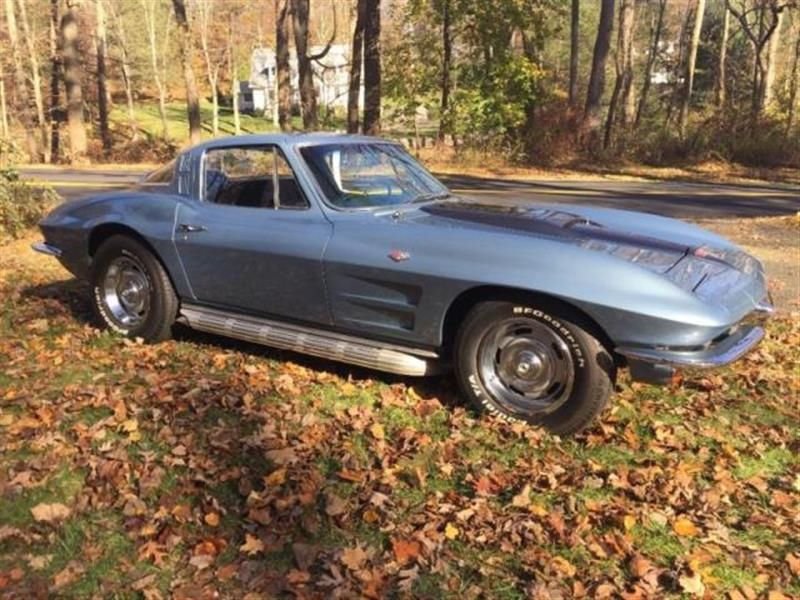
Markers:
point(526, 366)
point(126, 291)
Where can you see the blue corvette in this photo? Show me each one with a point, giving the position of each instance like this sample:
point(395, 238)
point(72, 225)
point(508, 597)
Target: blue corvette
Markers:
point(344, 247)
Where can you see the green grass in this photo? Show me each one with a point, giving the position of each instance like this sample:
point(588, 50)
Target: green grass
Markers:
point(62, 487)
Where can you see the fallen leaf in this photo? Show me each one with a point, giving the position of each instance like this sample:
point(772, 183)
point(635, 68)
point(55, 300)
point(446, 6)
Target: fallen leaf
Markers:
point(353, 558)
point(377, 431)
point(50, 512)
point(252, 545)
point(68, 574)
point(684, 527)
point(640, 566)
point(692, 585)
point(211, 519)
point(451, 531)
point(405, 551)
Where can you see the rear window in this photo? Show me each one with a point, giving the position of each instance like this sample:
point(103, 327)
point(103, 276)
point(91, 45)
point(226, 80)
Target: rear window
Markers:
point(161, 176)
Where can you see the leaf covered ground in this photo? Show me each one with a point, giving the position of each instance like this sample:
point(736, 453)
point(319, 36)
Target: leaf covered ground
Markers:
point(204, 468)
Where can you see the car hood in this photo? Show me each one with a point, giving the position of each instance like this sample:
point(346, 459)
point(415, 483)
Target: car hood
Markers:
point(693, 258)
point(578, 224)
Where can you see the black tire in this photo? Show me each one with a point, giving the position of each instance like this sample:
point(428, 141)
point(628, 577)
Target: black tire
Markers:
point(549, 339)
point(156, 296)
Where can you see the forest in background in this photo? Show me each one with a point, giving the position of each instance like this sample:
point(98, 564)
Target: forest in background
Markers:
point(531, 81)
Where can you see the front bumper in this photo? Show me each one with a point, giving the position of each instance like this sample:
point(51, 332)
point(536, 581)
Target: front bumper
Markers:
point(48, 249)
point(658, 365)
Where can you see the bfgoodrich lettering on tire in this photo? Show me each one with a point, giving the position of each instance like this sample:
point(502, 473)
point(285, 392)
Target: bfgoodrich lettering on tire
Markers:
point(132, 292)
point(538, 364)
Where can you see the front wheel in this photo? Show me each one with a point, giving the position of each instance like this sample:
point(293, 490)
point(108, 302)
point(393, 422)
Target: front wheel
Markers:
point(133, 294)
point(533, 363)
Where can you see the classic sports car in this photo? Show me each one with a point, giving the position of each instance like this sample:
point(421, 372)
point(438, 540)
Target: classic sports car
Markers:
point(344, 247)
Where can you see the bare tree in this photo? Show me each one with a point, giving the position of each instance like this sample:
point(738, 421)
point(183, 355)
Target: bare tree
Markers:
point(793, 84)
point(20, 82)
point(149, 8)
point(356, 66)
point(447, 58)
point(574, 50)
point(213, 64)
point(234, 77)
point(720, 83)
point(308, 94)
point(125, 65)
point(772, 62)
point(597, 78)
point(3, 104)
point(36, 79)
point(73, 76)
point(624, 68)
point(55, 79)
point(656, 28)
point(102, 89)
point(283, 72)
point(372, 68)
point(691, 58)
point(759, 19)
point(187, 56)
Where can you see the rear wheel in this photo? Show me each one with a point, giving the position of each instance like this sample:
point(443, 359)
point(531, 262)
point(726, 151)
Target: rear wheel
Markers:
point(538, 364)
point(132, 292)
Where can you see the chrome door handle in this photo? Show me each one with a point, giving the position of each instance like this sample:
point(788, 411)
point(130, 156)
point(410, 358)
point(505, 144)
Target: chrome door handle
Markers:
point(187, 228)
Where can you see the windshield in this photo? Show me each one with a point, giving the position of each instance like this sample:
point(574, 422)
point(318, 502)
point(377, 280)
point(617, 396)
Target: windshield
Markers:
point(371, 174)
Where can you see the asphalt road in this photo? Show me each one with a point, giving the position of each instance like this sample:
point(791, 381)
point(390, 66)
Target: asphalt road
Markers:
point(669, 198)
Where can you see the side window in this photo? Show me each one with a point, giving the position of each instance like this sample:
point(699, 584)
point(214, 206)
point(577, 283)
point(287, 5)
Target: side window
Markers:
point(254, 177)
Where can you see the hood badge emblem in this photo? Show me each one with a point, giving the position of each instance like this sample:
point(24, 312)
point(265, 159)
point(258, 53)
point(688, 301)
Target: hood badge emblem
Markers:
point(399, 255)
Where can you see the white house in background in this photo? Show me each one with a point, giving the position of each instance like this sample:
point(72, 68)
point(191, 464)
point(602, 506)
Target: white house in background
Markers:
point(331, 79)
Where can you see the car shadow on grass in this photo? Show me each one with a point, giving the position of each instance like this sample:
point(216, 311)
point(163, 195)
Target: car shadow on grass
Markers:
point(75, 296)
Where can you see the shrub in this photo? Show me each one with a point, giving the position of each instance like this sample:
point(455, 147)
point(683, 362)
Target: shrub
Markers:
point(22, 204)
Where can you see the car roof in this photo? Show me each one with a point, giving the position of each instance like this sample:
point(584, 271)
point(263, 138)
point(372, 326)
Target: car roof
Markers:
point(290, 139)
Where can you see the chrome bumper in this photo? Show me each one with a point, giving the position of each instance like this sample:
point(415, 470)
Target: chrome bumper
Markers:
point(46, 249)
point(718, 354)
point(658, 365)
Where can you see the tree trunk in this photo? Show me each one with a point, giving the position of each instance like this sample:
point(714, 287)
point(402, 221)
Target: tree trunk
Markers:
point(356, 65)
point(55, 80)
point(691, 57)
point(212, 68)
point(21, 83)
point(759, 39)
point(445, 125)
point(597, 80)
point(102, 90)
point(720, 89)
point(624, 66)
point(651, 59)
point(36, 80)
point(3, 105)
point(149, 13)
point(187, 55)
point(72, 82)
point(793, 85)
point(372, 68)
point(125, 69)
point(574, 50)
point(283, 70)
point(234, 77)
point(772, 59)
point(308, 94)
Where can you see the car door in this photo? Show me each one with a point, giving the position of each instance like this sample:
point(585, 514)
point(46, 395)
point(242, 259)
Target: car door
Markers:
point(253, 242)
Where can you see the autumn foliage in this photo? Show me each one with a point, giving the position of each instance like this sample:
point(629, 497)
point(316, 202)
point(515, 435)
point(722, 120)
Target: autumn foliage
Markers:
point(202, 466)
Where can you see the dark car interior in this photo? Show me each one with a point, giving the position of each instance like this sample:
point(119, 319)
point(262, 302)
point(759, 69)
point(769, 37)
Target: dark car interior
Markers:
point(253, 192)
